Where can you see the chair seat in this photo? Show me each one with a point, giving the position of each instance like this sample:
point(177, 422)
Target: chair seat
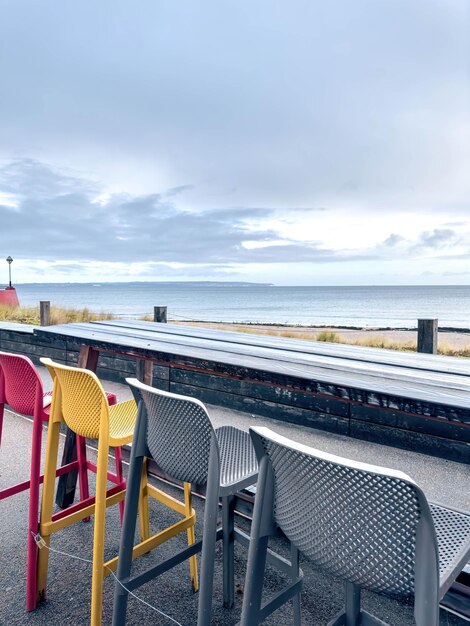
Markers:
point(121, 422)
point(239, 467)
point(453, 540)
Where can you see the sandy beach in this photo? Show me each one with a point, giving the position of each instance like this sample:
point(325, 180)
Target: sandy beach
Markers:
point(448, 339)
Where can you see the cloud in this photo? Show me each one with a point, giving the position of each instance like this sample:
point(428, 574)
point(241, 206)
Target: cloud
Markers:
point(323, 103)
point(437, 238)
point(393, 240)
point(62, 216)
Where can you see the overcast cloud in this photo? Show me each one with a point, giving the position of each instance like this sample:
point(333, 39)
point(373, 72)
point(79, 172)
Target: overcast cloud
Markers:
point(298, 143)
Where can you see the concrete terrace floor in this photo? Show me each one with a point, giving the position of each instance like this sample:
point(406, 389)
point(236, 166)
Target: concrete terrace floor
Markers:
point(69, 580)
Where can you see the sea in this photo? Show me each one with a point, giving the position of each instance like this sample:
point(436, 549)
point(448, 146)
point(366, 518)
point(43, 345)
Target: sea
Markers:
point(349, 306)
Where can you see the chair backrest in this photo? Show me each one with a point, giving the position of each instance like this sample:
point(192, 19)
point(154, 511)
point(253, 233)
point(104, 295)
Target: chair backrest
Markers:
point(356, 521)
point(20, 383)
point(179, 432)
point(83, 400)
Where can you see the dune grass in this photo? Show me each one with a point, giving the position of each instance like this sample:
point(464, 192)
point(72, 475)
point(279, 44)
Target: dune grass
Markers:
point(332, 336)
point(59, 315)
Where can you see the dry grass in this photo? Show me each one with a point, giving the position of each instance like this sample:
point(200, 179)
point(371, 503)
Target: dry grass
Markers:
point(449, 351)
point(59, 315)
point(331, 336)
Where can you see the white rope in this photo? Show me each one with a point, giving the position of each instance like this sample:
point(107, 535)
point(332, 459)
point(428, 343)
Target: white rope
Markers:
point(42, 544)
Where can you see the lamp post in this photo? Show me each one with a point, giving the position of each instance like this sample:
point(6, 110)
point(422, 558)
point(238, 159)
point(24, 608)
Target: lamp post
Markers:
point(9, 260)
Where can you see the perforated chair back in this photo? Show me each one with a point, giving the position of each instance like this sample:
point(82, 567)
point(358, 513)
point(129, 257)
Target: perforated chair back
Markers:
point(355, 521)
point(179, 432)
point(20, 383)
point(83, 400)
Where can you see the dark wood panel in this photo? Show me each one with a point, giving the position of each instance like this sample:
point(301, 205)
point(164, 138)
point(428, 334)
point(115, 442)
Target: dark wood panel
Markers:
point(293, 414)
point(431, 424)
point(416, 442)
point(286, 393)
point(34, 352)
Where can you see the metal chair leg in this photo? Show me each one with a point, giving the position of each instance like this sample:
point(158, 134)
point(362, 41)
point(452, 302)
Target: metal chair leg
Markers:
point(52, 450)
point(294, 554)
point(2, 410)
point(127, 539)
point(119, 476)
point(228, 512)
point(33, 515)
point(82, 470)
point(258, 548)
point(98, 535)
point(209, 539)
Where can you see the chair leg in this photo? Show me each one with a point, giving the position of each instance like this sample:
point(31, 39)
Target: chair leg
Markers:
point(82, 470)
point(228, 513)
point(133, 496)
point(352, 615)
point(118, 459)
point(261, 528)
point(208, 549)
point(254, 580)
point(191, 537)
point(353, 604)
point(52, 449)
point(33, 514)
point(294, 559)
point(144, 520)
point(98, 536)
point(2, 410)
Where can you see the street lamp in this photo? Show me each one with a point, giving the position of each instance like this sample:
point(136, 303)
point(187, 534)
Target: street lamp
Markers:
point(9, 260)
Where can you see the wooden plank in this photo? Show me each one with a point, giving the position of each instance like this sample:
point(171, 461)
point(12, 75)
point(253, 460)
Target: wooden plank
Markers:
point(190, 345)
point(16, 326)
point(444, 364)
point(397, 382)
point(380, 370)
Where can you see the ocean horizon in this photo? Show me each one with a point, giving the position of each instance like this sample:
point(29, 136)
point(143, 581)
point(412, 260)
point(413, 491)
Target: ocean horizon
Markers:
point(243, 302)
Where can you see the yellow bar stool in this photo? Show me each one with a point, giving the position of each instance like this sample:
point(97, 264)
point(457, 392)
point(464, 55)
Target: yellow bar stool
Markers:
point(80, 401)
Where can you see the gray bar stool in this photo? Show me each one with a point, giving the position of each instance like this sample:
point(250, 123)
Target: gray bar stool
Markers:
point(370, 526)
point(177, 432)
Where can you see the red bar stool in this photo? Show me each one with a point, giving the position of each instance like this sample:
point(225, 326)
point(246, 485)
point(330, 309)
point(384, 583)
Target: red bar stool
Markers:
point(21, 388)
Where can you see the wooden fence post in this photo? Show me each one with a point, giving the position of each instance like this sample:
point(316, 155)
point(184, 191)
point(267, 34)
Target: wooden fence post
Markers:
point(45, 313)
point(159, 314)
point(427, 336)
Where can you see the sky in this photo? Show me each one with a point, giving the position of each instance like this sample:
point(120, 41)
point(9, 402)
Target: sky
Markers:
point(297, 143)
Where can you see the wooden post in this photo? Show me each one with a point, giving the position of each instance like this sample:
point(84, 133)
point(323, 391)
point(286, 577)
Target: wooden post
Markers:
point(159, 314)
point(144, 371)
point(427, 336)
point(45, 313)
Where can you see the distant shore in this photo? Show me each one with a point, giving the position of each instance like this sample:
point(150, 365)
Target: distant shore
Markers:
point(453, 338)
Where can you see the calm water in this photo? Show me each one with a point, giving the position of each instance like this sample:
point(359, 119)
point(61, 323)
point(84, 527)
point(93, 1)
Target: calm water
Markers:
point(337, 306)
